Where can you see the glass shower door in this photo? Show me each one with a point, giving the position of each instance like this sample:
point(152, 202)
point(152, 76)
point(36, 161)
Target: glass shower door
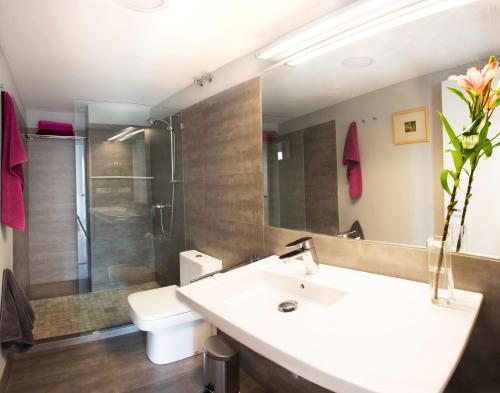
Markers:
point(121, 223)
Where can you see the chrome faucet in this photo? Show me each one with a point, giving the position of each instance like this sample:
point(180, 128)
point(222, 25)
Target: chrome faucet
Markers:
point(307, 251)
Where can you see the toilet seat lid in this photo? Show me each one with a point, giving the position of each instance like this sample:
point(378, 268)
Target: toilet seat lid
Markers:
point(157, 303)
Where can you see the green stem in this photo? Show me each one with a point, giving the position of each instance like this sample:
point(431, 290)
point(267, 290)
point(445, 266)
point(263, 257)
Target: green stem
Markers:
point(451, 208)
point(466, 204)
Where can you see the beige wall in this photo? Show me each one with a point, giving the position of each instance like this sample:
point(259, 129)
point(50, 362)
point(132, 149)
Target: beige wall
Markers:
point(6, 234)
point(223, 186)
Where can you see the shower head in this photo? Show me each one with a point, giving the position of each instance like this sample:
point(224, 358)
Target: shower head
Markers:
point(159, 122)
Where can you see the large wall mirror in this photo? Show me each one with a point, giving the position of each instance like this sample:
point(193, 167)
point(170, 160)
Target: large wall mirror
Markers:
point(377, 100)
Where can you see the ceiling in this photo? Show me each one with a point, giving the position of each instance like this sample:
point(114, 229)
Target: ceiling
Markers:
point(66, 50)
point(459, 36)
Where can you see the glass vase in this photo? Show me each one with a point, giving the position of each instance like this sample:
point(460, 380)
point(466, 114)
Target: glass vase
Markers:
point(440, 270)
point(462, 235)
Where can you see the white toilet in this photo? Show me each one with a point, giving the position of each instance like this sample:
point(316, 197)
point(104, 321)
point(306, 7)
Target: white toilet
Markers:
point(175, 332)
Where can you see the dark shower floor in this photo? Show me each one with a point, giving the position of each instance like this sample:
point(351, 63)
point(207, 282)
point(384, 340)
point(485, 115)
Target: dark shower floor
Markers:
point(77, 314)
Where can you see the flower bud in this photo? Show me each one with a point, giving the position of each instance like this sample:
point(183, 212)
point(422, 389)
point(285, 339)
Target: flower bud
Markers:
point(469, 142)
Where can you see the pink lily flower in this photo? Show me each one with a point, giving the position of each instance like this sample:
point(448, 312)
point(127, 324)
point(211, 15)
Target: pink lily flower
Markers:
point(472, 81)
point(490, 71)
point(476, 80)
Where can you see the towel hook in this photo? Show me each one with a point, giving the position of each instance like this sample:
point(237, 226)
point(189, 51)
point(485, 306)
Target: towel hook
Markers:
point(374, 118)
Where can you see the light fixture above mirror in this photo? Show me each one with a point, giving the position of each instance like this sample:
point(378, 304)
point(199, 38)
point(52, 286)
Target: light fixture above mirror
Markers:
point(350, 24)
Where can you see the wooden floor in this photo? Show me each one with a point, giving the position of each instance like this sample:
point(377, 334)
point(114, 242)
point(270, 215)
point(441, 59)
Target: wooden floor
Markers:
point(109, 366)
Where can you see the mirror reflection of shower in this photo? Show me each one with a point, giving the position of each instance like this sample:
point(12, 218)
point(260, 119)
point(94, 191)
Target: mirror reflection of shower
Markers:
point(169, 207)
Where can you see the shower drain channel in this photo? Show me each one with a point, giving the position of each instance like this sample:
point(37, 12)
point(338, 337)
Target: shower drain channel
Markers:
point(288, 306)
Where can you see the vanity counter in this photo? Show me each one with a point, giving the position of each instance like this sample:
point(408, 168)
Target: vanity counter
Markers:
point(353, 332)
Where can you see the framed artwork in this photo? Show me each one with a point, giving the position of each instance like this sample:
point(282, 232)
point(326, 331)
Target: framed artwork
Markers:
point(411, 126)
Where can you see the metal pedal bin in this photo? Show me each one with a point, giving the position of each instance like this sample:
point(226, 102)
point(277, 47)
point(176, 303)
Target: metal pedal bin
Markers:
point(221, 366)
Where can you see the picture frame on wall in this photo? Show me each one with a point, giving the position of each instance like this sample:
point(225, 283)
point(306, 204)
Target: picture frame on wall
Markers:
point(411, 126)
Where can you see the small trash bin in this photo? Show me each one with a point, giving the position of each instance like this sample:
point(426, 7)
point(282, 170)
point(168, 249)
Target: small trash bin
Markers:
point(221, 368)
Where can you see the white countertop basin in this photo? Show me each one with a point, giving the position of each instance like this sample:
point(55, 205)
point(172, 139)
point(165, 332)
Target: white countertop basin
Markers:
point(353, 332)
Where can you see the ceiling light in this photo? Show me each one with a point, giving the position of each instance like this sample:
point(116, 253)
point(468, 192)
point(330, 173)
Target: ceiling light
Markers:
point(122, 133)
point(130, 135)
point(357, 62)
point(144, 5)
point(389, 21)
point(320, 26)
point(357, 21)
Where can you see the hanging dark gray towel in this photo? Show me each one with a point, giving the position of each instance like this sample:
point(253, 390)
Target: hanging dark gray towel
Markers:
point(16, 316)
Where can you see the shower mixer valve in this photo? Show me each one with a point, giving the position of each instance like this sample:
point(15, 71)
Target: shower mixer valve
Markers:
point(162, 205)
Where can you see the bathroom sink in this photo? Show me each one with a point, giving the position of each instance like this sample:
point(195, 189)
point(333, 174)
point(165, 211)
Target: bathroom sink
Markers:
point(345, 330)
point(262, 292)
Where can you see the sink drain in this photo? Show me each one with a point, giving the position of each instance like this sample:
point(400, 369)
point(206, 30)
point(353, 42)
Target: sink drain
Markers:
point(288, 306)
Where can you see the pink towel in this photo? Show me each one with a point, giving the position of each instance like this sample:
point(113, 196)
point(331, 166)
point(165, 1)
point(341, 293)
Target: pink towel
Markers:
point(353, 161)
point(13, 156)
point(270, 134)
point(46, 127)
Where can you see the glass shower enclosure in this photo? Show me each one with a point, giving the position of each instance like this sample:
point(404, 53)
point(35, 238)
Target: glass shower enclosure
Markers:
point(130, 208)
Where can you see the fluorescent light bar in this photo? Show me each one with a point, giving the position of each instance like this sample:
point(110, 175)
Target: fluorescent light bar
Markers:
point(130, 135)
point(389, 21)
point(343, 15)
point(123, 132)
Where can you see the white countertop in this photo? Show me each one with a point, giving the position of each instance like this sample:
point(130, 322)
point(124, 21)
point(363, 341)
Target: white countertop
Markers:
point(353, 332)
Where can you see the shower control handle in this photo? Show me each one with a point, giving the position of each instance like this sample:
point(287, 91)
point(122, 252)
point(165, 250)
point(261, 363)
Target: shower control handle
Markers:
point(162, 205)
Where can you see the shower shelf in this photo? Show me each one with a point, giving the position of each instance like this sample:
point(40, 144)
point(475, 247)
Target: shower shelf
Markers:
point(38, 136)
point(123, 177)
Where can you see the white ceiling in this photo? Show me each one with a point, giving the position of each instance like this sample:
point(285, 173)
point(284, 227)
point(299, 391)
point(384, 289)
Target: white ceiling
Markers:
point(66, 50)
point(463, 35)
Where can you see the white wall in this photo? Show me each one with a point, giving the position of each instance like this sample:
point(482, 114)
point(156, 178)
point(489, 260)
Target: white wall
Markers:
point(482, 222)
point(6, 236)
point(229, 75)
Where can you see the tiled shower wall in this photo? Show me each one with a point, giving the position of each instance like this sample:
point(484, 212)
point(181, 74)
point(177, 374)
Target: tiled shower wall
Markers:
point(52, 206)
point(223, 190)
point(320, 169)
point(307, 198)
point(291, 180)
point(167, 247)
point(21, 267)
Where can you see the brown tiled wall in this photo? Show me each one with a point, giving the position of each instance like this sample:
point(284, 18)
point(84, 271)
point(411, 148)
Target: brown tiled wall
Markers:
point(478, 372)
point(320, 174)
point(223, 190)
point(307, 194)
point(166, 252)
point(292, 195)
